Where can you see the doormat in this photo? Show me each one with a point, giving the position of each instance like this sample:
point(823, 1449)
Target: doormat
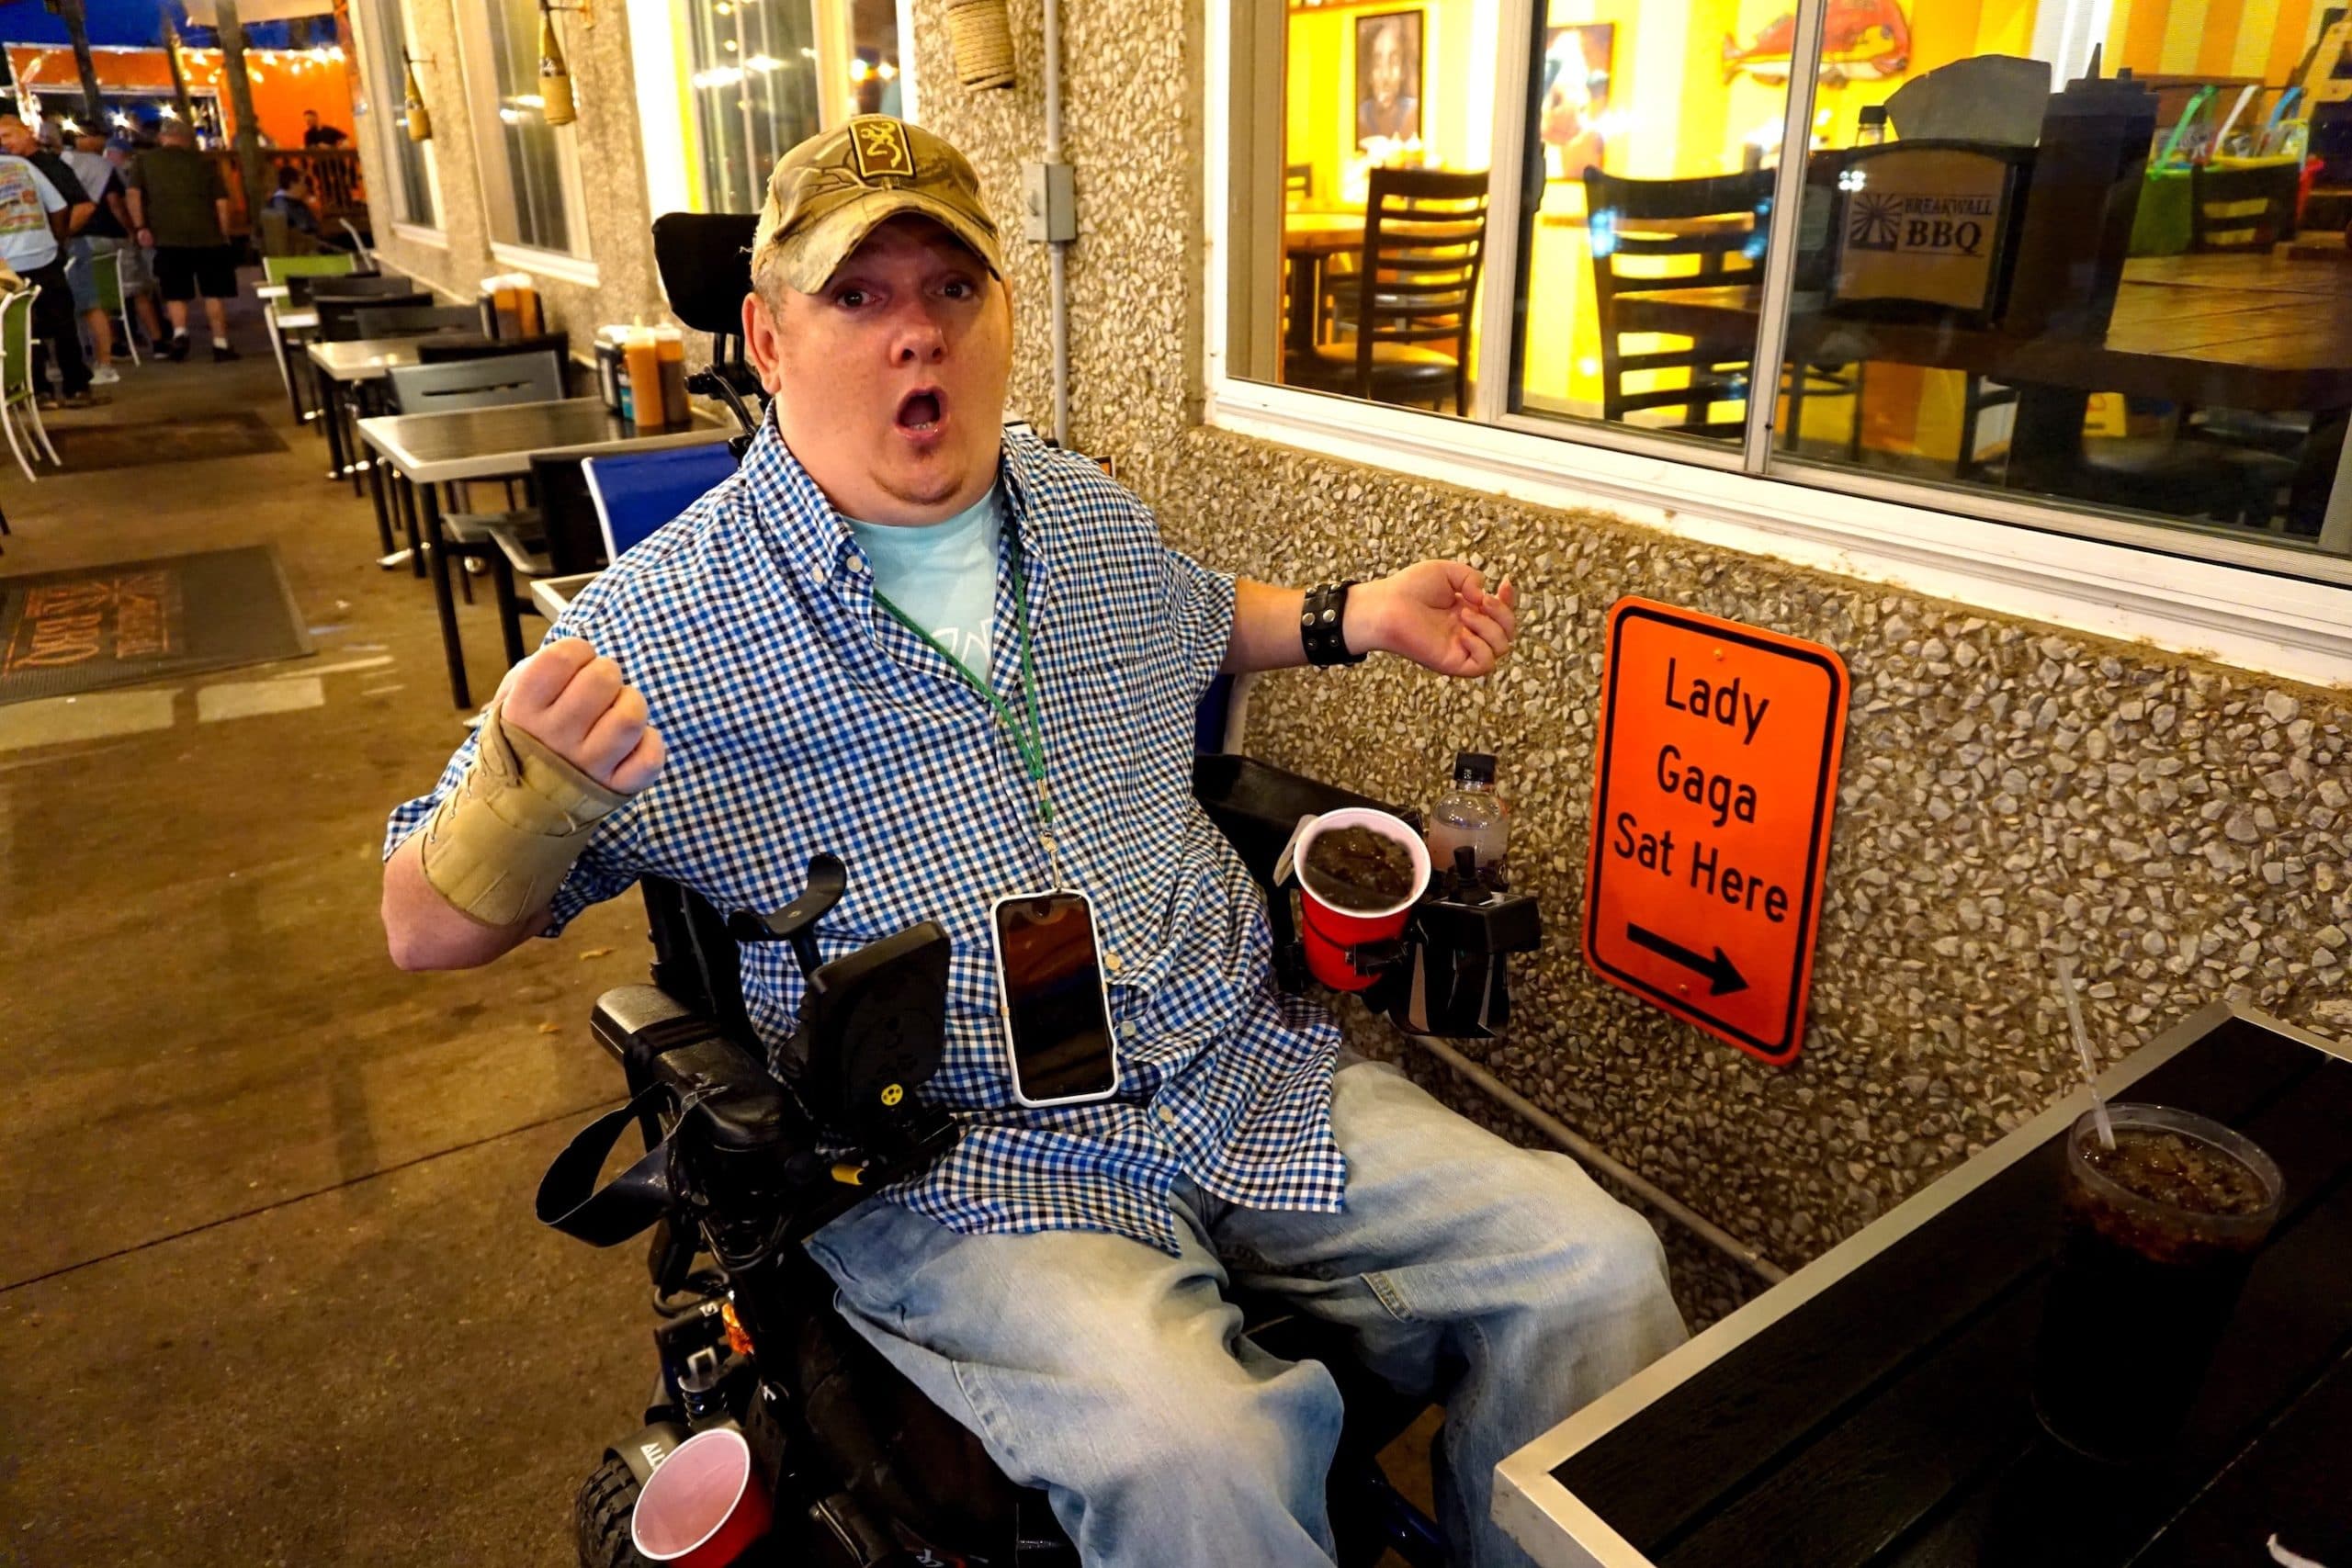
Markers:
point(62, 632)
point(192, 439)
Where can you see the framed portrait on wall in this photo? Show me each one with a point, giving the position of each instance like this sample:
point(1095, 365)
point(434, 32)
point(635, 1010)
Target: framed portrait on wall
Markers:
point(1388, 76)
point(1578, 67)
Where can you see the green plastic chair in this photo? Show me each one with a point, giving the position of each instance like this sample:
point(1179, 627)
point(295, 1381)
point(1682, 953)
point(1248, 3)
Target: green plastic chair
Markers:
point(333, 264)
point(276, 270)
point(16, 377)
point(106, 276)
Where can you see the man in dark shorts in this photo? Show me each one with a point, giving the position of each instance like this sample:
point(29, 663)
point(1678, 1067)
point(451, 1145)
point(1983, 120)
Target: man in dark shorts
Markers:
point(181, 206)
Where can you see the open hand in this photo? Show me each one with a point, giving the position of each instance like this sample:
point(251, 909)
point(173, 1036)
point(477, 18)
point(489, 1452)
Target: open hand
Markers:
point(1439, 614)
point(572, 701)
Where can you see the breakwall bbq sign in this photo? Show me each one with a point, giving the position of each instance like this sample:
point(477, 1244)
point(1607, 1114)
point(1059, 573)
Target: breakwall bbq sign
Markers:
point(1717, 774)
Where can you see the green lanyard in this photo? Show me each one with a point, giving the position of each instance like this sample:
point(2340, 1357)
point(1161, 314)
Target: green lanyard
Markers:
point(1030, 741)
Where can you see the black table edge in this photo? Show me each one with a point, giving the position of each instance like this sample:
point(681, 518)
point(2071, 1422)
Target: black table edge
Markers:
point(1560, 1530)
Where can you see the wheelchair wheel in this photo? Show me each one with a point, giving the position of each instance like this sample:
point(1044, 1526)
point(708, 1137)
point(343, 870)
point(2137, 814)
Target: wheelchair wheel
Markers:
point(600, 1516)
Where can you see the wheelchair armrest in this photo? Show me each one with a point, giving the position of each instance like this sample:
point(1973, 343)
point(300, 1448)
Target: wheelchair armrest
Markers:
point(751, 1126)
point(744, 1110)
point(1257, 805)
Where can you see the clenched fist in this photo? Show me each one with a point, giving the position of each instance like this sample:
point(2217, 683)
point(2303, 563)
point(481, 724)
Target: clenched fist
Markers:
point(573, 701)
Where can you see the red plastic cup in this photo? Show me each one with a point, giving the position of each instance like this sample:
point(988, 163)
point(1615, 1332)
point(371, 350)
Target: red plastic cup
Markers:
point(1330, 933)
point(705, 1506)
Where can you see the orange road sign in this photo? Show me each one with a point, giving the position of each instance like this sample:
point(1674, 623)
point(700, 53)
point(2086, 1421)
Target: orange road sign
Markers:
point(1716, 777)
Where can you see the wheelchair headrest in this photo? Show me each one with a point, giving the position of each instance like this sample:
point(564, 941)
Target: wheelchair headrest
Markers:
point(706, 263)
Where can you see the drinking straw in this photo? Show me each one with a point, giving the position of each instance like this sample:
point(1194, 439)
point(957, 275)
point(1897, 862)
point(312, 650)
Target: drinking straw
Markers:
point(2082, 1049)
point(2222, 137)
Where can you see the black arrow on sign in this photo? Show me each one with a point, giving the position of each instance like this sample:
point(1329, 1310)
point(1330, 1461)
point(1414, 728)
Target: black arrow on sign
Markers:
point(1722, 975)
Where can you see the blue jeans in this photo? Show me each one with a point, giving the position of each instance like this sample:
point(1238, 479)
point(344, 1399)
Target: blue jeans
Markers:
point(1500, 1279)
point(78, 275)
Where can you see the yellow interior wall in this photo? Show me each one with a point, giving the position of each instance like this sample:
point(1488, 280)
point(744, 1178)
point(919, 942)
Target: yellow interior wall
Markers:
point(689, 125)
point(2211, 38)
point(1320, 99)
point(1684, 118)
point(1700, 133)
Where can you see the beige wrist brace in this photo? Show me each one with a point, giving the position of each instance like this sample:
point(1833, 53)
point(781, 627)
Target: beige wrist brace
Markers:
point(501, 843)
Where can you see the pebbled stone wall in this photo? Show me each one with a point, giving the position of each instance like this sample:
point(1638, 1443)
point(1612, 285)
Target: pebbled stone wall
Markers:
point(2010, 791)
point(612, 175)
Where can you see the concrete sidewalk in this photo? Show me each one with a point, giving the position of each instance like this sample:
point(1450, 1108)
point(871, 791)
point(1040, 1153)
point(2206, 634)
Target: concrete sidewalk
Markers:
point(272, 1290)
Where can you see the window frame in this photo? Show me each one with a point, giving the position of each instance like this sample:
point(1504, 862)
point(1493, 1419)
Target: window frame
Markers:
point(477, 65)
point(388, 84)
point(673, 181)
point(2264, 608)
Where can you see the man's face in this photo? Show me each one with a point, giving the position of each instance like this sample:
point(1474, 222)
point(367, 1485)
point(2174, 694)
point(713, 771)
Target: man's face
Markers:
point(89, 141)
point(1387, 66)
point(17, 137)
point(310, 119)
point(889, 384)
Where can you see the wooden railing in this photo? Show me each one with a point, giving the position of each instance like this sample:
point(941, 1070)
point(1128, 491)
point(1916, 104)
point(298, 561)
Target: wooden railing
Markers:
point(337, 187)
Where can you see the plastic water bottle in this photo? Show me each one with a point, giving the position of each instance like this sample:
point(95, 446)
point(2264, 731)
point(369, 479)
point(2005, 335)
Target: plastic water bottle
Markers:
point(1470, 813)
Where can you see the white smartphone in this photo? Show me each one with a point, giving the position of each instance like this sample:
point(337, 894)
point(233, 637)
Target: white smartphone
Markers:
point(1058, 1037)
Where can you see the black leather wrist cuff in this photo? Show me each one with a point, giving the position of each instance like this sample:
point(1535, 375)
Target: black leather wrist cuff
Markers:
point(1321, 623)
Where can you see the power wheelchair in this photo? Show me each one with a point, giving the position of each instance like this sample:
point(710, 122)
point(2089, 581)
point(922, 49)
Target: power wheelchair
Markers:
point(743, 1163)
point(746, 1158)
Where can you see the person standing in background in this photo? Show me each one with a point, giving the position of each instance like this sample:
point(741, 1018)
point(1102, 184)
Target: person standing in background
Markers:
point(179, 204)
point(40, 221)
point(106, 233)
point(317, 135)
point(138, 261)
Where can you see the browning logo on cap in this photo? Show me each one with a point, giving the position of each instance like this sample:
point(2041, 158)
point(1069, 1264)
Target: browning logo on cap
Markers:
point(832, 190)
point(880, 148)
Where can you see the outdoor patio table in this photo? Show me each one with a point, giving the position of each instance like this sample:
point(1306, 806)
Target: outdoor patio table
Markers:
point(1875, 1409)
point(427, 450)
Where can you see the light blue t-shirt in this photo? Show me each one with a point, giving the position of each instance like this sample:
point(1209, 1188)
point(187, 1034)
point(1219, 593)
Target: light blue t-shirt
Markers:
point(942, 575)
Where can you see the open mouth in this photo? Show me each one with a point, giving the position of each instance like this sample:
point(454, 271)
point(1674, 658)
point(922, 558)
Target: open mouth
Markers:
point(921, 411)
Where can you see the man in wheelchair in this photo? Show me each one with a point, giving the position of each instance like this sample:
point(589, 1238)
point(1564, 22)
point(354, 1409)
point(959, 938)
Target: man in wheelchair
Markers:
point(966, 664)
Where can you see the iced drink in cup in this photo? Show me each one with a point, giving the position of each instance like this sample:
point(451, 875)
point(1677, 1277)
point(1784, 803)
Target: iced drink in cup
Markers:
point(2160, 1231)
point(1360, 874)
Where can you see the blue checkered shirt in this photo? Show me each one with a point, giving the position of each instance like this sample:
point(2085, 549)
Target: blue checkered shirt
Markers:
point(800, 718)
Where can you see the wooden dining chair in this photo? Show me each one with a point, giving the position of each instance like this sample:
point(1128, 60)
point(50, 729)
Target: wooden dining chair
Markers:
point(2232, 464)
point(1709, 231)
point(1647, 236)
point(1424, 243)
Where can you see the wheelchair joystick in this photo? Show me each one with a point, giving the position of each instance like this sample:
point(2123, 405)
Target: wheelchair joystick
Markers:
point(797, 921)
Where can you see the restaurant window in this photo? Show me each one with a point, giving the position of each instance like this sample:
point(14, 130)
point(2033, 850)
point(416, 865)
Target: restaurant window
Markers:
point(752, 87)
point(762, 75)
point(388, 47)
point(529, 167)
point(1593, 219)
point(2031, 314)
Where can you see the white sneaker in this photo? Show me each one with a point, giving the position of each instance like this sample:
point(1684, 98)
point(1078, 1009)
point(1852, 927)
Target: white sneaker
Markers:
point(105, 376)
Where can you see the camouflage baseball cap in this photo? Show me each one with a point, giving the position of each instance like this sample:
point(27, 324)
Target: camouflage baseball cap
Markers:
point(838, 187)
